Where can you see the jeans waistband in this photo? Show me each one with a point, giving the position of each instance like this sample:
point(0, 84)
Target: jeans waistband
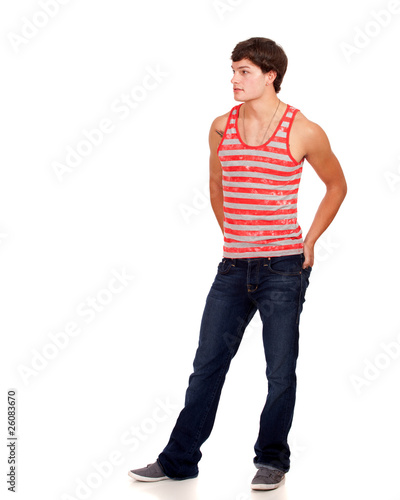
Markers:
point(244, 262)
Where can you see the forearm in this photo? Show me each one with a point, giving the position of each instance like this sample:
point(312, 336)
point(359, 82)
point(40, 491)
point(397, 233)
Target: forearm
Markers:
point(325, 214)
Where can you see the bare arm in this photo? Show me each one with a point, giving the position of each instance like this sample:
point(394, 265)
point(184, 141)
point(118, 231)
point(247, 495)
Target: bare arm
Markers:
point(320, 156)
point(216, 191)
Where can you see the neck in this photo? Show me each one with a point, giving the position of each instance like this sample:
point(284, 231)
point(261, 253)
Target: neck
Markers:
point(257, 109)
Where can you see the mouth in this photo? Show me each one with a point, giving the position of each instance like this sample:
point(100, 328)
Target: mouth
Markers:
point(237, 90)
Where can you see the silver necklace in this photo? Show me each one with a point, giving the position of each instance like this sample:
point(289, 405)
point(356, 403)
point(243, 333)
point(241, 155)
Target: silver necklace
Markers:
point(244, 130)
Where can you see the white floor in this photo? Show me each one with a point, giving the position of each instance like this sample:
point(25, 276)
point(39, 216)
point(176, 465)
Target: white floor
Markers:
point(229, 483)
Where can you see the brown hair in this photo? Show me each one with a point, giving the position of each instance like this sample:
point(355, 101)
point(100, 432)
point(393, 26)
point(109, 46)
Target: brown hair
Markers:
point(264, 53)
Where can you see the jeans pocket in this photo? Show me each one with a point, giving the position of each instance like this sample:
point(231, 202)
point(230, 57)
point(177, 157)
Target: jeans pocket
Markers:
point(289, 265)
point(224, 266)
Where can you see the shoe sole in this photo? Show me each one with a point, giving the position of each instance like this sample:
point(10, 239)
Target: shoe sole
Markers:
point(146, 479)
point(267, 486)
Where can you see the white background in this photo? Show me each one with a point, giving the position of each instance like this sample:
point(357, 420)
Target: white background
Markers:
point(136, 205)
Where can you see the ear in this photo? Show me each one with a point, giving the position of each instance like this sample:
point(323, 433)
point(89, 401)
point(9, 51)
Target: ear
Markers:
point(270, 77)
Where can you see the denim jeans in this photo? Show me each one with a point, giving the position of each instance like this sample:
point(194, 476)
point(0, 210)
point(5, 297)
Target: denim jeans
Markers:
point(275, 286)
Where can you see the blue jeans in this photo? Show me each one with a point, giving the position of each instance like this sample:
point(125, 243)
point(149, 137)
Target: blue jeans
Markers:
point(275, 286)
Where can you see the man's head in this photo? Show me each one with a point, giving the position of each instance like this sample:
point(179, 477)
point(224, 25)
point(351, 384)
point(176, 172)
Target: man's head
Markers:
point(265, 54)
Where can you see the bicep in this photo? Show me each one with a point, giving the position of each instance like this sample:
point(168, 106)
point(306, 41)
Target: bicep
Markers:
point(322, 159)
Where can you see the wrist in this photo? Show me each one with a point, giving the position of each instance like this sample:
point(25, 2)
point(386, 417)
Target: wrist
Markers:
point(308, 242)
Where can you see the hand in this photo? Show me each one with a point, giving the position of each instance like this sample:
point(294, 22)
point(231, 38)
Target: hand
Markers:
point(308, 251)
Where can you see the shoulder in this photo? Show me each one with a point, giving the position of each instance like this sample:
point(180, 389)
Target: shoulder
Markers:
point(306, 127)
point(310, 134)
point(219, 123)
point(217, 130)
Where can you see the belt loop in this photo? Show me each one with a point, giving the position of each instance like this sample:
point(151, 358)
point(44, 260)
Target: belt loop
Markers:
point(233, 262)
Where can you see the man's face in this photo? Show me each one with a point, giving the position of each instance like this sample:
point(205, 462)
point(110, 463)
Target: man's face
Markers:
point(249, 82)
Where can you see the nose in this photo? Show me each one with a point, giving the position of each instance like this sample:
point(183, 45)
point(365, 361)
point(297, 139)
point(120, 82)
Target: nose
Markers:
point(234, 78)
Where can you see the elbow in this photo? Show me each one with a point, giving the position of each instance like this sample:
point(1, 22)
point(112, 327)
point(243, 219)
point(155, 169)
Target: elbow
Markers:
point(215, 189)
point(339, 189)
point(344, 189)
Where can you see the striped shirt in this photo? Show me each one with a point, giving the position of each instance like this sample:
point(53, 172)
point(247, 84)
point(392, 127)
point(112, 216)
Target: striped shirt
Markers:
point(260, 186)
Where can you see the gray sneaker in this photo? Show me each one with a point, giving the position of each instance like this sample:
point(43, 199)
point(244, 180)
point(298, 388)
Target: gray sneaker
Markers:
point(153, 472)
point(267, 479)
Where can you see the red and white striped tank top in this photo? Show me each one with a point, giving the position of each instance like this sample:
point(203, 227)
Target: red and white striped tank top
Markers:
point(260, 186)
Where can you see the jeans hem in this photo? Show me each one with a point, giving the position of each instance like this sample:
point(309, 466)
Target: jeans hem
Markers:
point(268, 466)
point(174, 477)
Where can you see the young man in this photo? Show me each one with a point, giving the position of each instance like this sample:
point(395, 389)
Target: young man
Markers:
point(257, 151)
